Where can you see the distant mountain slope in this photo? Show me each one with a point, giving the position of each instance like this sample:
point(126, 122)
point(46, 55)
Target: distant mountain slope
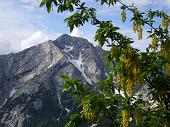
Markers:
point(31, 90)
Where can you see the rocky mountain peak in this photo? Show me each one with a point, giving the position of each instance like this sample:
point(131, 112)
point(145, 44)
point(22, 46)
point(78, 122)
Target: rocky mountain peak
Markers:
point(31, 89)
point(74, 45)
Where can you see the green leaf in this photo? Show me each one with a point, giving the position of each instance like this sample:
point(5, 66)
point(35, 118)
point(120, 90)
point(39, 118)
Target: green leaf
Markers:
point(49, 7)
point(43, 2)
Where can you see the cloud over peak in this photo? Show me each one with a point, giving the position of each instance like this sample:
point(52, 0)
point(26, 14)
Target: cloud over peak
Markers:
point(76, 32)
point(37, 38)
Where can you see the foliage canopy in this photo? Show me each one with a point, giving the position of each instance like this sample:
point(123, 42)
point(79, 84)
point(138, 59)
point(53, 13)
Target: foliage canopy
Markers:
point(115, 101)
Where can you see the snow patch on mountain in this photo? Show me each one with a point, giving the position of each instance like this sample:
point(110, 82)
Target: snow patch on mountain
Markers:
point(68, 110)
point(4, 102)
point(13, 91)
point(50, 65)
point(79, 65)
point(93, 125)
point(68, 48)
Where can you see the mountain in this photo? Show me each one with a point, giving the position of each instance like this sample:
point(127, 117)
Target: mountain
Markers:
point(31, 89)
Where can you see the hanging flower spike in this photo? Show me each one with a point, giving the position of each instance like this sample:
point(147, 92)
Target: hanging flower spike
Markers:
point(165, 23)
point(114, 51)
point(121, 80)
point(123, 15)
point(134, 27)
point(154, 42)
point(168, 68)
point(125, 118)
point(130, 86)
point(90, 116)
point(139, 31)
point(165, 49)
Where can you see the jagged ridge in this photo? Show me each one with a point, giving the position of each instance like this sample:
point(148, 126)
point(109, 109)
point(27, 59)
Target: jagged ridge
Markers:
point(31, 90)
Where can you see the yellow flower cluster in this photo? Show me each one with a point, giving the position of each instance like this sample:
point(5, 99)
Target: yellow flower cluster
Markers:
point(154, 42)
point(123, 15)
point(132, 75)
point(168, 68)
point(121, 80)
point(137, 28)
point(165, 49)
point(136, 76)
point(130, 86)
point(127, 62)
point(165, 52)
point(114, 52)
point(128, 59)
point(125, 118)
point(90, 116)
point(165, 23)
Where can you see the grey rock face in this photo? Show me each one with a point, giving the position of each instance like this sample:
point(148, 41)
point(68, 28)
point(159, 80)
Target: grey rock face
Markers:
point(31, 90)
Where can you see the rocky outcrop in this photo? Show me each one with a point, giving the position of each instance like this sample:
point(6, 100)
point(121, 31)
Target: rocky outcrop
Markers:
point(31, 90)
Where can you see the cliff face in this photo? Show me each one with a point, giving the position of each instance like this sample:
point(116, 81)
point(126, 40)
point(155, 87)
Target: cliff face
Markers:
point(31, 90)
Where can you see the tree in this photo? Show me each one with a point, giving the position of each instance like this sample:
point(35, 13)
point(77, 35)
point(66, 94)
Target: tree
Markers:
point(115, 102)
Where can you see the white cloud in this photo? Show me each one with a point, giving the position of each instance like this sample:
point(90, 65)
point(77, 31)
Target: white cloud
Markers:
point(137, 2)
point(165, 3)
point(5, 47)
point(151, 3)
point(108, 11)
point(18, 24)
point(13, 27)
point(30, 4)
point(37, 38)
point(76, 32)
point(8, 46)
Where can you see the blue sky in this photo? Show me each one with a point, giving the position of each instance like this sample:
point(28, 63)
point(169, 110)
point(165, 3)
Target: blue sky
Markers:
point(24, 24)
